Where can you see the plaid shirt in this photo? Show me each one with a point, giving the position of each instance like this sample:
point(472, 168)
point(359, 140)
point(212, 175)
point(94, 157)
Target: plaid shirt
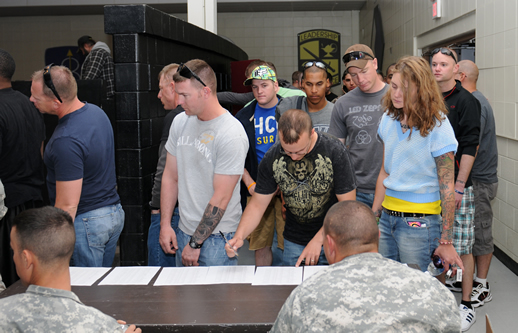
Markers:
point(99, 65)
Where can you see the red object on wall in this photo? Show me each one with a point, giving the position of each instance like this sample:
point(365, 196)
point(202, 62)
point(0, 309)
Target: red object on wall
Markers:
point(237, 72)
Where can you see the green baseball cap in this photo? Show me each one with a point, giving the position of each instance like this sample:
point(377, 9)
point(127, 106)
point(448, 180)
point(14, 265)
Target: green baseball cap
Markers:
point(261, 73)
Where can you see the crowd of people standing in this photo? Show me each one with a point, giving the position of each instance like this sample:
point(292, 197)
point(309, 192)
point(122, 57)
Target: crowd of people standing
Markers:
point(404, 148)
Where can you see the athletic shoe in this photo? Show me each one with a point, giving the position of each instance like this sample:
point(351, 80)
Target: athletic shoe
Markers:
point(453, 285)
point(467, 317)
point(480, 294)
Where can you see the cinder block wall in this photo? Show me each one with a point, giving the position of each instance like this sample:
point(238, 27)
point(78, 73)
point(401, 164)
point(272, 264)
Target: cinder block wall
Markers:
point(144, 40)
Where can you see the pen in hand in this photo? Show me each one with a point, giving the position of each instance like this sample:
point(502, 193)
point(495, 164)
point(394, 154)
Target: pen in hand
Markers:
point(226, 241)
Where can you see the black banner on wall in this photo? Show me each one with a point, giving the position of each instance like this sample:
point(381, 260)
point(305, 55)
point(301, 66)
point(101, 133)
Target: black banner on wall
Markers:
point(321, 45)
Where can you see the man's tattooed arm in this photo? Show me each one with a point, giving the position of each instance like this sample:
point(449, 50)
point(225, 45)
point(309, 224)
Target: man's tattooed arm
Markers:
point(446, 175)
point(209, 222)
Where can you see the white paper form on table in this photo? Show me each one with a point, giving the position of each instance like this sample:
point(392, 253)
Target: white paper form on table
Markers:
point(139, 275)
point(230, 274)
point(265, 276)
point(86, 276)
point(180, 276)
point(310, 270)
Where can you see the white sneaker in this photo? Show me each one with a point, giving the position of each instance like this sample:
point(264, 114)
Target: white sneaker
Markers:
point(453, 285)
point(467, 317)
point(480, 294)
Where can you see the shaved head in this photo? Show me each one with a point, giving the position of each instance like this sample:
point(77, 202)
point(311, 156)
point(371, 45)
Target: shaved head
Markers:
point(470, 69)
point(353, 227)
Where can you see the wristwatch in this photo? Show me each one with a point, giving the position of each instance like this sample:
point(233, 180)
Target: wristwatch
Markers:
point(194, 245)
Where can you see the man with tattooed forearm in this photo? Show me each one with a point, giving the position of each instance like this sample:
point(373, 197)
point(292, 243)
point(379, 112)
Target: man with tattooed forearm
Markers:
point(206, 151)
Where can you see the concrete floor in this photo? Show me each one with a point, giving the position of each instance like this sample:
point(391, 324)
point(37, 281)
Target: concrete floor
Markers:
point(502, 309)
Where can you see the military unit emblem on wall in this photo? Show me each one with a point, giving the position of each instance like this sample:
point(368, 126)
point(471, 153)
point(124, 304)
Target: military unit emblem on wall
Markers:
point(321, 45)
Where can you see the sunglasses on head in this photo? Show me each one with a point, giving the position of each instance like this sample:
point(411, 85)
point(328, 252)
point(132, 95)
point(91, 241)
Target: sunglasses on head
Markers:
point(48, 81)
point(445, 51)
point(319, 64)
point(188, 73)
point(355, 55)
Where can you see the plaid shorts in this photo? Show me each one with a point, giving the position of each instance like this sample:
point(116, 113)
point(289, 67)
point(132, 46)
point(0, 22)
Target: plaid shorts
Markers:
point(464, 226)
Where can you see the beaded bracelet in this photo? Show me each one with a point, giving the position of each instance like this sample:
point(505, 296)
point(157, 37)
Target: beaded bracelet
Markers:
point(251, 185)
point(441, 242)
point(459, 192)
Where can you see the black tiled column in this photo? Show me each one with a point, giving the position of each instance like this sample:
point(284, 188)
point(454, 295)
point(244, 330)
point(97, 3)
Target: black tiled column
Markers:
point(144, 41)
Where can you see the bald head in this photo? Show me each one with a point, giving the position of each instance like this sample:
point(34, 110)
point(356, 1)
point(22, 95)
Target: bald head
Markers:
point(470, 70)
point(353, 227)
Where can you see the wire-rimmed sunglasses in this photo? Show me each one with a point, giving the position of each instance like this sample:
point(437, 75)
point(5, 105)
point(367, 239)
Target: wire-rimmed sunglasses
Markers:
point(318, 64)
point(444, 51)
point(355, 55)
point(188, 73)
point(297, 153)
point(48, 81)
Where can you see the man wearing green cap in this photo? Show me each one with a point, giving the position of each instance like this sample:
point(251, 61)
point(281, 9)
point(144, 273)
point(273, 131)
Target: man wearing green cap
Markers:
point(258, 119)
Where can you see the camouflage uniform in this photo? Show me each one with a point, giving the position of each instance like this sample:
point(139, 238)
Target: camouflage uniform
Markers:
point(369, 293)
point(42, 309)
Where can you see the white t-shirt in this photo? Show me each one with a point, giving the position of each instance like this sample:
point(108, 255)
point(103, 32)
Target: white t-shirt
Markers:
point(202, 149)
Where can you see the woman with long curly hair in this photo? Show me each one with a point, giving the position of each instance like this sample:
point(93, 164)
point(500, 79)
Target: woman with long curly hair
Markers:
point(414, 193)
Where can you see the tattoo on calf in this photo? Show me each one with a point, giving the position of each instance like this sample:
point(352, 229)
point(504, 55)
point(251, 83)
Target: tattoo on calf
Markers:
point(211, 218)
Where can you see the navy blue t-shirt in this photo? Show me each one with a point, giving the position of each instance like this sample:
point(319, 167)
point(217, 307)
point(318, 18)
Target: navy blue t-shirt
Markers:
point(82, 146)
point(265, 130)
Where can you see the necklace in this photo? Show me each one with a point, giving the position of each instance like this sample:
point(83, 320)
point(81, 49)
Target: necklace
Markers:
point(405, 126)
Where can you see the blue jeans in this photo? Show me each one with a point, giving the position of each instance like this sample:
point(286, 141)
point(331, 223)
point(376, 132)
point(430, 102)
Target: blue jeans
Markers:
point(97, 233)
point(366, 198)
point(292, 252)
point(212, 253)
point(277, 253)
point(412, 245)
point(155, 255)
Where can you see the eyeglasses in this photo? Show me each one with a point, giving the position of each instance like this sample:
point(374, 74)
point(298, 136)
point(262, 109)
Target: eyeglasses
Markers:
point(445, 51)
point(315, 63)
point(188, 73)
point(355, 55)
point(299, 153)
point(48, 81)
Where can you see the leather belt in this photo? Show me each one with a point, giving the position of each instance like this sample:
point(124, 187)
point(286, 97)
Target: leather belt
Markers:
point(402, 214)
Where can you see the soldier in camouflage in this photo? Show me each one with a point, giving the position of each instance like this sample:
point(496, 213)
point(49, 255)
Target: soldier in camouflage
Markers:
point(43, 241)
point(362, 291)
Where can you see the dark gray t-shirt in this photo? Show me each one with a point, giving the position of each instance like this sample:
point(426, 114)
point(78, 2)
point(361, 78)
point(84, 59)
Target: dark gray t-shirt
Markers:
point(356, 117)
point(486, 162)
point(309, 186)
point(320, 119)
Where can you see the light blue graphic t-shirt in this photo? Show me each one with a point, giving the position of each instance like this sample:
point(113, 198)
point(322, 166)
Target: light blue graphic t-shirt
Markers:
point(265, 130)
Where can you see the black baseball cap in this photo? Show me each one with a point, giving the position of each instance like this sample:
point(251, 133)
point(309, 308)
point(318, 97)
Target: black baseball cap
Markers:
point(83, 40)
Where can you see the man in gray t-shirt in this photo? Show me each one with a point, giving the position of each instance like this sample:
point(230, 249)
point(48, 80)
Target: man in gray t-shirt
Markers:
point(485, 185)
point(206, 153)
point(314, 84)
point(356, 117)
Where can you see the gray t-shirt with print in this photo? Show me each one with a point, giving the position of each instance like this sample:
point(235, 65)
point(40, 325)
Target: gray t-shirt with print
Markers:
point(320, 119)
point(203, 149)
point(355, 118)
